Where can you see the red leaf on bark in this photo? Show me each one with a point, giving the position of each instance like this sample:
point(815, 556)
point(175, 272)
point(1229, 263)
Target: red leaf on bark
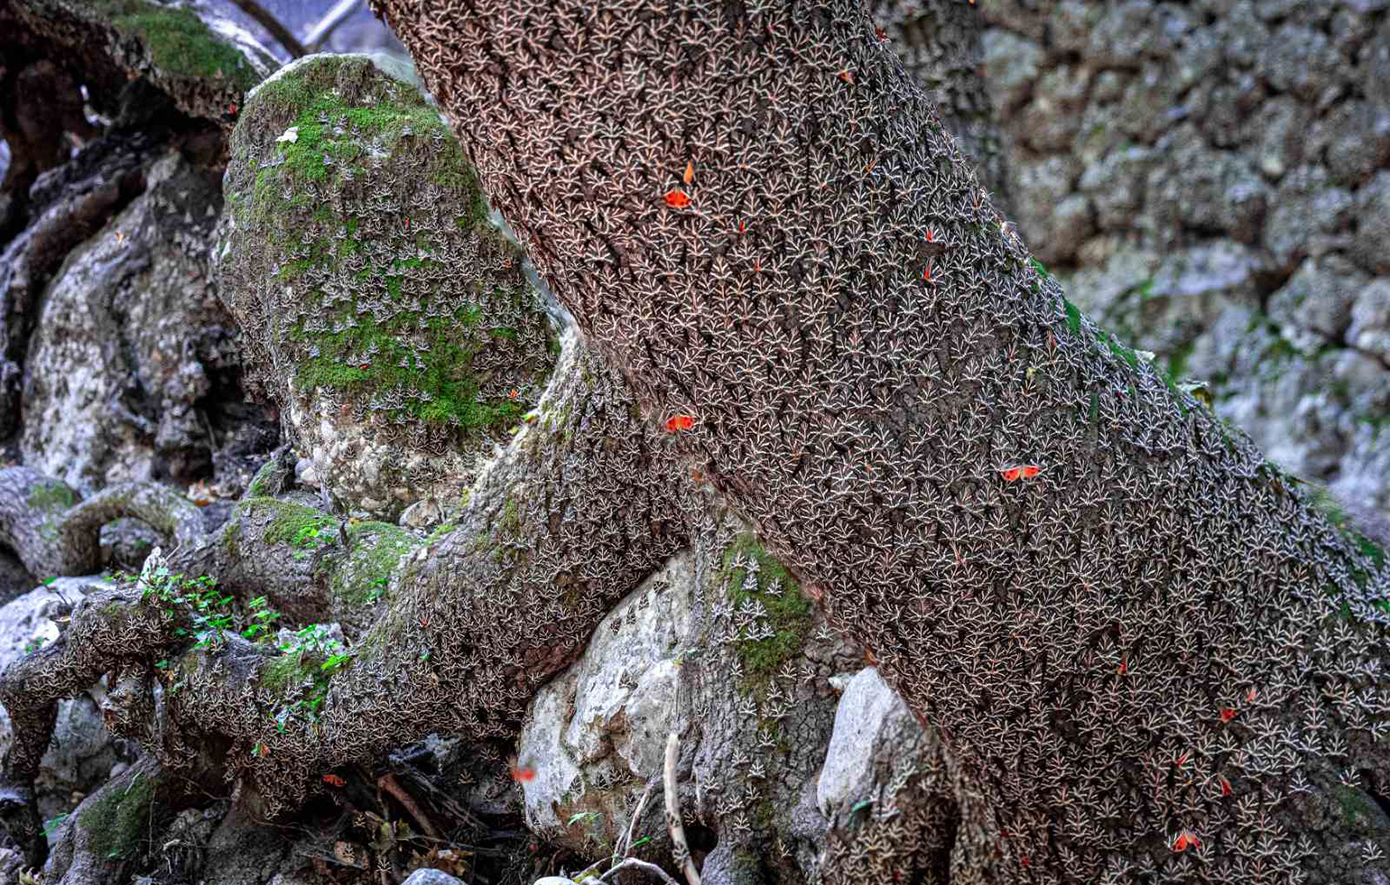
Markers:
point(1185, 841)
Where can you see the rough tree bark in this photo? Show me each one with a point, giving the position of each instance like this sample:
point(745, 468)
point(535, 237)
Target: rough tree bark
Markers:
point(862, 347)
point(1152, 654)
point(588, 562)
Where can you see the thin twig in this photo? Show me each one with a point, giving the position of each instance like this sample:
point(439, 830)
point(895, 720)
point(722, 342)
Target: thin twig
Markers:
point(272, 24)
point(634, 863)
point(319, 33)
point(212, 438)
point(619, 850)
point(673, 813)
point(389, 783)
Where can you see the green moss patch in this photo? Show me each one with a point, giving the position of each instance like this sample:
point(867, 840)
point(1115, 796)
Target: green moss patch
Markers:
point(288, 671)
point(789, 613)
point(441, 387)
point(295, 524)
point(118, 819)
point(402, 333)
point(1354, 803)
point(377, 547)
point(179, 43)
point(333, 136)
point(51, 496)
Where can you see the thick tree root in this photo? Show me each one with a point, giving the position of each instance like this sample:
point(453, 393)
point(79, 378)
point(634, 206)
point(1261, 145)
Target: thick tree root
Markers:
point(31, 510)
point(579, 509)
point(53, 533)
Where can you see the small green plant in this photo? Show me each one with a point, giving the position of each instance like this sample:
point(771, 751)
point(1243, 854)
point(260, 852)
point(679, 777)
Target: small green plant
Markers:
point(261, 618)
point(334, 662)
point(49, 826)
point(378, 589)
point(34, 645)
point(303, 671)
point(212, 614)
point(315, 639)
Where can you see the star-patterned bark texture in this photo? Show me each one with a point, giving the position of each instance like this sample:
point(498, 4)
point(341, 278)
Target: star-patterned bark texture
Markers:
point(1151, 654)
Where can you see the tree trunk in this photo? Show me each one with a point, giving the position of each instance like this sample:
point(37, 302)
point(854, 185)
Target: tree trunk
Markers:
point(1141, 642)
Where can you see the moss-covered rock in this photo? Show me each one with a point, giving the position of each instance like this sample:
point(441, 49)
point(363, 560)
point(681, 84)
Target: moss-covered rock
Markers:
point(383, 312)
point(118, 819)
point(758, 583)
point(204, 66)
point(376, 549)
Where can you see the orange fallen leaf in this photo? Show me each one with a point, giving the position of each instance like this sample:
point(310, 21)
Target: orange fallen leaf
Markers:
point(1185, 841)
point(1019, 471)
point(333, 780)
point(689, 175)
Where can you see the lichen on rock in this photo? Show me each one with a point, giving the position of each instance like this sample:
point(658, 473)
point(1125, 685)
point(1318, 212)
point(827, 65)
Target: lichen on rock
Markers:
point(388, 318)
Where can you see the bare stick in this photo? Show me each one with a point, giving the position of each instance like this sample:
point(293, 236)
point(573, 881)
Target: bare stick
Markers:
point(319, 33)
point(634, 863)
point(673, 813)
point(619, 850)
point(389, 783)
point(273, 25)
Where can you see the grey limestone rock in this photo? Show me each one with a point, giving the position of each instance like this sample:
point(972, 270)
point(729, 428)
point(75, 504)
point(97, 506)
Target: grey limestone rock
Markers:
point(1233, 164)
point(691, 650)
point(1369, 247)
point(1314, 306)
point(431, 877)
point(1370, 320)
point(129, 342)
